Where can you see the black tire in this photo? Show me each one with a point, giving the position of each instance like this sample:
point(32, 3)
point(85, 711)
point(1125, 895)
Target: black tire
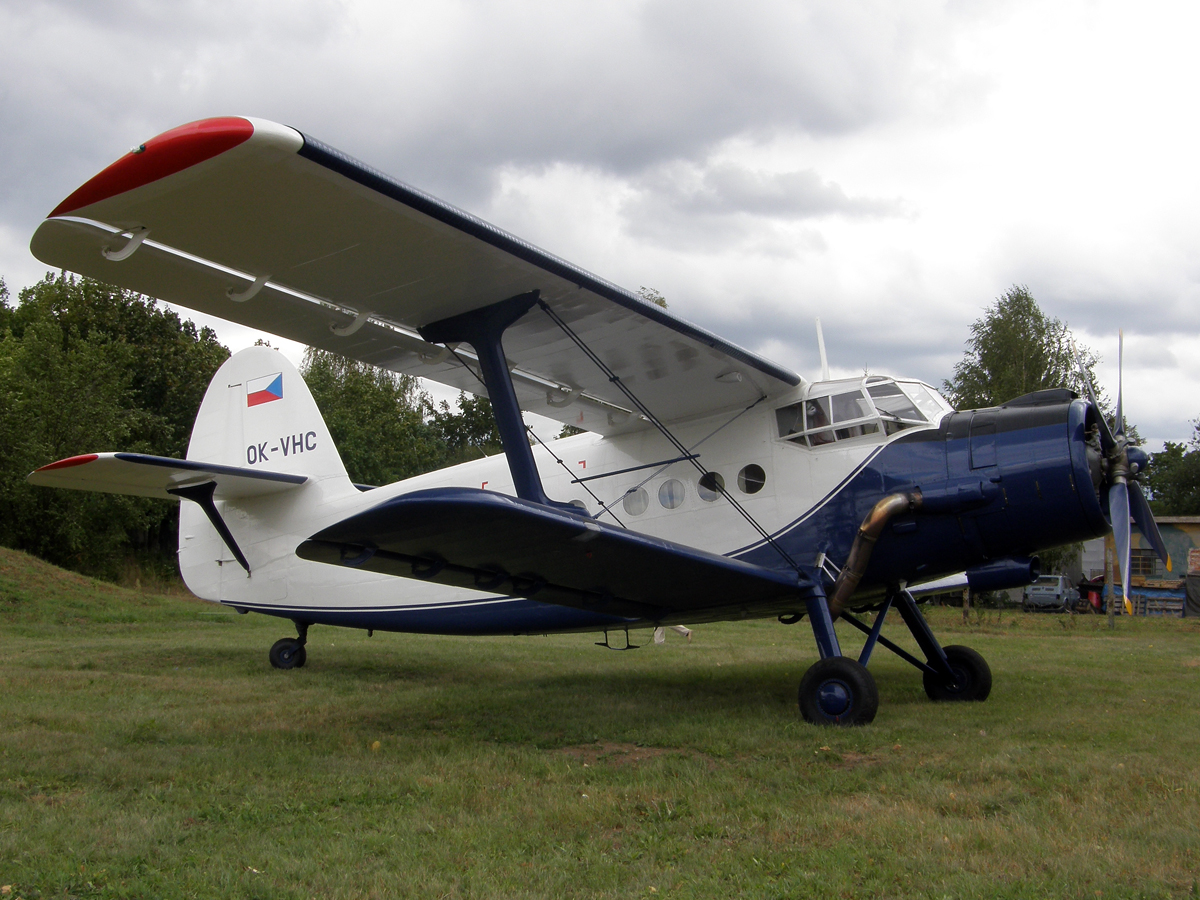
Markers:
point(288, 653)
point(972, 672)
point(838, 691)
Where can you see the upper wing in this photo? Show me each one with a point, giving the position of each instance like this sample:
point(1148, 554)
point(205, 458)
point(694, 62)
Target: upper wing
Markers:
point(154, 476)
point(491, 542)
point(324, 250)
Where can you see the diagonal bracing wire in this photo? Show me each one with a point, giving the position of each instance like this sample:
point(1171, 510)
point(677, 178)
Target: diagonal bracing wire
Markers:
point(555, 457)
point(599, 502)
point(654, 420)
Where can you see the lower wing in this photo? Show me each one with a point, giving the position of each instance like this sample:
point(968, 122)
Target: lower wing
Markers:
point(491, 542)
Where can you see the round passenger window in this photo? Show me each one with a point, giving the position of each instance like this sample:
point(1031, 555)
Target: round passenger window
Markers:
point(636, 501)
point(711, 485)
point(751, 479)
point(670, 494)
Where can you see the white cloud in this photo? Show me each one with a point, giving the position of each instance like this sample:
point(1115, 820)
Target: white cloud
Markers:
point(891, 168)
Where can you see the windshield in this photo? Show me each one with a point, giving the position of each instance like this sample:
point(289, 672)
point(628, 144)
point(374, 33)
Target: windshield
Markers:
point(874, 406)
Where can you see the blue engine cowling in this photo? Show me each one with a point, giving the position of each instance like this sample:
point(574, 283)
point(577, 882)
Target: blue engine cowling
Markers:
point(998, 484)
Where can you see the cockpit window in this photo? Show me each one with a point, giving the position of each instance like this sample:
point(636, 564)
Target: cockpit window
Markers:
point(885, 405)
point(790, 419)
point(850, 405)
point(817, 421)
point(891, 401)
point(926, 401)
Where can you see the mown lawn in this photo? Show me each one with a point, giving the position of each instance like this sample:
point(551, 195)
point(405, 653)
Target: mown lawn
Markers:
point(147, 749)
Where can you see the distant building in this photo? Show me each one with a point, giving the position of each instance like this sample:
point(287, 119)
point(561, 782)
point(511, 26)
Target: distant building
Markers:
point(1152, 589)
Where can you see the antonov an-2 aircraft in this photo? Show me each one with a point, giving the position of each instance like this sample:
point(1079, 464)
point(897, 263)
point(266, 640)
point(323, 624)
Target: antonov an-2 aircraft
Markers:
point(710, 483)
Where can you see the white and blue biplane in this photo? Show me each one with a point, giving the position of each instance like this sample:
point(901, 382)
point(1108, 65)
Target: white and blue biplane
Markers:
point(709, 483)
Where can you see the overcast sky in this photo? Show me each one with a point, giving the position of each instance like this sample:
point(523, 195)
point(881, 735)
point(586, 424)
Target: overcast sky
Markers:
point(889, 167)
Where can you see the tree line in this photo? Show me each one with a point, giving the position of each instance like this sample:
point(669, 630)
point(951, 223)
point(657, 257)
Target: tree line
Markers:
point(89, 367)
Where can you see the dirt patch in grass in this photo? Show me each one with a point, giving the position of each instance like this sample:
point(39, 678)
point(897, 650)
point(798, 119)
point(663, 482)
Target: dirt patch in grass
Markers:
point(55, 799)
point(614, 754)
point(853, 760)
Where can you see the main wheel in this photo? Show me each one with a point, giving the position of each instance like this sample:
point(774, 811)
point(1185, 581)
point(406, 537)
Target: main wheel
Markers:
point(971, 672)
point(288, 653)
point(838, 691)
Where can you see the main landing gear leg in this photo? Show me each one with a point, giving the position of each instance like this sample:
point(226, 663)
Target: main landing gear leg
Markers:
point(836, 690)
point(289, 653)
point(949, 673)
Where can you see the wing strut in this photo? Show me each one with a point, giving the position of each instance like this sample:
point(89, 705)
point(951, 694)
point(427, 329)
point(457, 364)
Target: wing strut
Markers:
point(483, 329)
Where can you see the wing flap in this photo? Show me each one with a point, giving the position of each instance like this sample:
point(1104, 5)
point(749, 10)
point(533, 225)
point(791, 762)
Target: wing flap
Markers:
point(491, 542)
point(142, 475)
point(280, 206)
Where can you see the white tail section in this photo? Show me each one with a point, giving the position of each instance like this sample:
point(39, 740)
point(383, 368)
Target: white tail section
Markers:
point(258, 413)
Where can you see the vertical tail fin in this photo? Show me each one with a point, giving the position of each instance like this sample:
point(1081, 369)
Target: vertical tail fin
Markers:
point(259, 413)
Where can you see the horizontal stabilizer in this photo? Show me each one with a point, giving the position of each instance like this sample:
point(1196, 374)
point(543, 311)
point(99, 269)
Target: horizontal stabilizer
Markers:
point(490, 542)
point(154, 476)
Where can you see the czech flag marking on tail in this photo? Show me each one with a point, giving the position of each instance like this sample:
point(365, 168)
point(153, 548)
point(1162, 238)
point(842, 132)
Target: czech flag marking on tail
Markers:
point(265, 389)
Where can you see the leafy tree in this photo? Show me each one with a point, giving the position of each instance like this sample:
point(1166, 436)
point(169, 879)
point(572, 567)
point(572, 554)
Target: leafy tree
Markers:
point(470, 433)
point(1174, 477)
point(377, 418)
point(169, 361)
point(386, 429)
point(1015, 349)
point(59, 401)
point(88, 367)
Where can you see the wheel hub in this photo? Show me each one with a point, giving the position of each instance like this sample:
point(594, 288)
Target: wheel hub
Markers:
point(962, 680)
point(834, 698)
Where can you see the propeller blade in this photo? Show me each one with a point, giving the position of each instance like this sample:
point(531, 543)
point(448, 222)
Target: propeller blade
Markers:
point(1107, 441)
point(1118, 512)
point(1120, 371)
point(1144, 519)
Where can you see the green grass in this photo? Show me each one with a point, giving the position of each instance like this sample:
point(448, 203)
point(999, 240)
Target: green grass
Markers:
point(147, 749)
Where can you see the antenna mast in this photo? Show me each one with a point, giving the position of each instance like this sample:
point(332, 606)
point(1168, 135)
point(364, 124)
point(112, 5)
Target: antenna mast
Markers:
point(821, 347)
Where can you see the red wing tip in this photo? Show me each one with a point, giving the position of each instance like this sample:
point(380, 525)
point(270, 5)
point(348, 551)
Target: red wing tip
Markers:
point(168, 153)
point(70, 461)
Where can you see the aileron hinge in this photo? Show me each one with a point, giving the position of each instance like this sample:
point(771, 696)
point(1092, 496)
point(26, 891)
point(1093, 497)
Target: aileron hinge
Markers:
point(136, 236)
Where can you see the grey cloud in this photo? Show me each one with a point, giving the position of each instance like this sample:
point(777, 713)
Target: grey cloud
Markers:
point(727, 189)
point(789, 195)
point(669, 80)
point(684, 205)
point(441, 95)
point(1098, 294)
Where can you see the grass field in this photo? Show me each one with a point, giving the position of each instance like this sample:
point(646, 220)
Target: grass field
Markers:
point(147, 749)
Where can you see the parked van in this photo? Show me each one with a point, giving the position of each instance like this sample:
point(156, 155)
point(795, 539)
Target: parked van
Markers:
point(1050, 593)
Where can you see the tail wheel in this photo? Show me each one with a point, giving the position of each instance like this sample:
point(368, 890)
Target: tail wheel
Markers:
point(972, 676)
point(838, 691)
point(288, 653)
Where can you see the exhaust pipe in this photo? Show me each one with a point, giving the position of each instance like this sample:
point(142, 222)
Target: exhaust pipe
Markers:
point(864, 543)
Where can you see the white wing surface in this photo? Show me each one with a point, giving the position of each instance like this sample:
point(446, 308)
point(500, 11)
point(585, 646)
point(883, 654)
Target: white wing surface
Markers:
point(259, 224)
